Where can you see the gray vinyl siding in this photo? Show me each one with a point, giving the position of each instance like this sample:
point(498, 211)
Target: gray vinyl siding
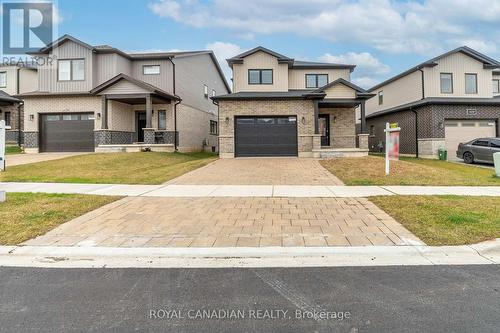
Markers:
point(192, 73)
point(110, 65)
point(48, 72)
point(164, 80)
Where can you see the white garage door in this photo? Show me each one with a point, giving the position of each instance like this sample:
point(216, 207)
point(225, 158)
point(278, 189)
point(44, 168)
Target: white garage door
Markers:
point(460, 131)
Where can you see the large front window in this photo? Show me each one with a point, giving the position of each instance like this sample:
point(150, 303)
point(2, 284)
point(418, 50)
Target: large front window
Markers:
point(71, 70)
point(471, 83)
point(162, 120)
point(151, 69)
point(316, 80)
point(7, 119)
point(446, 83)
point(260, 76)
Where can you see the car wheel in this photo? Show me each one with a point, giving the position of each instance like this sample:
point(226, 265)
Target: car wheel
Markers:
point(468, 158)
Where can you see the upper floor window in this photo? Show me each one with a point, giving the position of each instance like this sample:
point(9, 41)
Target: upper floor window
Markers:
point(162, 120)
point(3, 79)
point(380, 97)
point(260, 76)
point(446, 83)
point(213, 93)
point(205, 90)
point(496, 86)
point(7, 119)
point(471, 83)
point(151, 69)
point(316, 80)
point(71, 70)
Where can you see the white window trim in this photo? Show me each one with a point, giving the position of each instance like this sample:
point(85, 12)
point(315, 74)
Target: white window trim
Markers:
point(441, 83)
point(496, 82)
point(380, 94)
point(146, 66)
point(71, 70)
point(4, 73)
point(476, 91)
point(205, 90)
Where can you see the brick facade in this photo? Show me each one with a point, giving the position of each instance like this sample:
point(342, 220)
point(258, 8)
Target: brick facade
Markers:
point(342, 123)
point(12, 135)
point(431, 131)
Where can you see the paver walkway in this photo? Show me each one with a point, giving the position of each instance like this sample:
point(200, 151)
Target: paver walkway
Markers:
point(19, 159)
point(260, 171)
point(227, 222)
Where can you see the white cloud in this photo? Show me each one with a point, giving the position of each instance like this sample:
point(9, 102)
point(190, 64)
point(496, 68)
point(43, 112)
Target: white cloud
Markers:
point(369, 69)
point(409, 26)
point(224, 51)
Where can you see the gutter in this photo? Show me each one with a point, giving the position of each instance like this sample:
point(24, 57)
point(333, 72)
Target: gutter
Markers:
point(175, 105)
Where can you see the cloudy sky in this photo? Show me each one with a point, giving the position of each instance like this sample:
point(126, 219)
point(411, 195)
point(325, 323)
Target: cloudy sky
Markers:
point(381, 37)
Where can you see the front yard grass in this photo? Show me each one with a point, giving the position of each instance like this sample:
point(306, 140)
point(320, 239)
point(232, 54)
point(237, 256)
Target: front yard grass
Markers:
point(112, 168)
point(12, 150)
point(445, 220)
point(370, 170)
point(27, 215)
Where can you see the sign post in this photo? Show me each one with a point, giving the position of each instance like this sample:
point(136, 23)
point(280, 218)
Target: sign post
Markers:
point(391, 145)
point(2, 144)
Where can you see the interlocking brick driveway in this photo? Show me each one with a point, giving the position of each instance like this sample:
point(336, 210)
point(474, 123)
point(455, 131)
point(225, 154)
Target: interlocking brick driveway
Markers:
point(260, 171)
point(225, 222)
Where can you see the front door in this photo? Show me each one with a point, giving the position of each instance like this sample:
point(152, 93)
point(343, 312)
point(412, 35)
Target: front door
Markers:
point(324, 129)
point(141, 124)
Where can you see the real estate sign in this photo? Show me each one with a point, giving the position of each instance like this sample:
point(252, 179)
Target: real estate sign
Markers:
point(391, 144)
point(2, 144)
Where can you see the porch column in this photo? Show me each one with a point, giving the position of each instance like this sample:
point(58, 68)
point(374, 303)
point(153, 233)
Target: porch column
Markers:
point(363, 117)
point(104, 116)
point(149, 112)
point(316, 117)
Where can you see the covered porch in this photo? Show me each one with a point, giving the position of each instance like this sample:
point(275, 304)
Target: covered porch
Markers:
point(136, 116)
point(335, 121)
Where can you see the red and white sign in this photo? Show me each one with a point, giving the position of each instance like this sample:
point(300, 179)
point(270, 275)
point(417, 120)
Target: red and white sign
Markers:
point(391, 145)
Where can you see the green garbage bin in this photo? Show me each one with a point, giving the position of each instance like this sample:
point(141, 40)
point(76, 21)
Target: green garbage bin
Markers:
point(443, 154)
point(496, 158)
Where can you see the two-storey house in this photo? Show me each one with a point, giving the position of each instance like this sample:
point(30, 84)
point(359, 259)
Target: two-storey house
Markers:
point(15, 79)
point(99, 98)
point(442, 102)
point(284, 107)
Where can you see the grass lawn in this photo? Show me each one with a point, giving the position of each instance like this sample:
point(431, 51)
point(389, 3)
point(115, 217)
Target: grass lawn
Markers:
point(11, 150)
point(112, 168)
point(27, 215)
point(370, 170)
point(445, 220)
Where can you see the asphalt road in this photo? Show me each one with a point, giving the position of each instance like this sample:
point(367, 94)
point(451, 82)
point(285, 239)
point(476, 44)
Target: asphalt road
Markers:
point(369, 299)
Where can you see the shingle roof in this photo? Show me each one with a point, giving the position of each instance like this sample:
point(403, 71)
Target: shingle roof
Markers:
point(4, 97)
point(359, 91)
point(438, 101)
point(292, 94)
point(487, 61)
point(298, 64)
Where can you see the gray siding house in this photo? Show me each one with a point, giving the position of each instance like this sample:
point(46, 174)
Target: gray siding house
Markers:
point(99, 98)
point(442, 102)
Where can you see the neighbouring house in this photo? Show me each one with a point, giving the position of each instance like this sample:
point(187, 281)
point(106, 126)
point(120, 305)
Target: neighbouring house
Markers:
point(284, 107)
point(442, 102)
point(99, 98)
point(15, 79)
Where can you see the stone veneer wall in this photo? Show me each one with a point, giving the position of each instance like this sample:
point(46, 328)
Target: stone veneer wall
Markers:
point(342, 127)
point(302, 109)
point(12, 135)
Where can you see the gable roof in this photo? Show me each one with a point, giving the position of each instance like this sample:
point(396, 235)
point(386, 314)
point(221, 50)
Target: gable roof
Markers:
point(292, 63)
point(487, 62)
point(139, 83)
point(6, 98)
point(239, 58)
point(360, 92)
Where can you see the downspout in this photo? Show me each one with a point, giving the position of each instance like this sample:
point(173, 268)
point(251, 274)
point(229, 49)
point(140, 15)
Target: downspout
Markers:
point(416, 114)
point(175, 105)
point(218, 125)
point(19, 132)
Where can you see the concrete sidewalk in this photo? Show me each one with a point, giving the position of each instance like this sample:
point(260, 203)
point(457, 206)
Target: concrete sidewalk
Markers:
point(282, 191)
point(92, 257)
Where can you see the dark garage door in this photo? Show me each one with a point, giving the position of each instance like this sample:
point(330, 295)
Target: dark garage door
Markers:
point(265, 136)
point(67, 132)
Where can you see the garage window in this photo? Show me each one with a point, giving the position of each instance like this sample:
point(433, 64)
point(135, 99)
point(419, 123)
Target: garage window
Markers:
point(71, 117)
point(53, 117)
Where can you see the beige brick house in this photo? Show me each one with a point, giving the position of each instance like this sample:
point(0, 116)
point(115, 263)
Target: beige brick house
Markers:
point(99, 98)
point(284, 107)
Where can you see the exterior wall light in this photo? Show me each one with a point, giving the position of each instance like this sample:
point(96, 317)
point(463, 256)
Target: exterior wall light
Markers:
point(303, 120)
point(98, 116)
point(227, 120)
point(334, 119)
point(32, 117)
point(441, 125)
